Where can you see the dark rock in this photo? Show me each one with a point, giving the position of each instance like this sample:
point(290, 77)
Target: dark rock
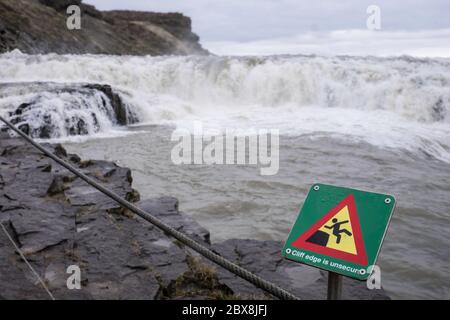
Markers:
point(25, 128)
point(119, 258)
point(133, 196)
point(14, 282)
point(60, 5)
point(120, 255)
point(91, 11)
point(166, 208)
point(37, 27)
point(20, 108)
point(45, 132)
point(76, 126)
point(57, 186)
point(47, 168)
point(74, 158)
point(110, 173)
point(178, 25)
point(123, 114)
point(60, 151)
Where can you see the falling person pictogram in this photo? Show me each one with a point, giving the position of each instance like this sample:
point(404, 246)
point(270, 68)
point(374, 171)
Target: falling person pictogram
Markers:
point(336, 226)
point(336, 234)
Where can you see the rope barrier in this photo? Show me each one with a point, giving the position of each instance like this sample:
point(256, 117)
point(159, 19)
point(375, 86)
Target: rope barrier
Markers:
point(27, 263)
point(204, 251)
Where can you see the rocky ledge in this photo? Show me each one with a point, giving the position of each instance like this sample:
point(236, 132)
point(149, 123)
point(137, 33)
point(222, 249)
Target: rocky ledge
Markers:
point(86, 107)
point(57, 220)
point(39, 26)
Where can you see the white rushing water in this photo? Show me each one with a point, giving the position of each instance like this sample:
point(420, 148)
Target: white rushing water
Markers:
point(379, 124)
point(396, 103)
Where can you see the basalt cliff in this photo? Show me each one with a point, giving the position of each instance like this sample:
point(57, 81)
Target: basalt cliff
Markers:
point(40, 26)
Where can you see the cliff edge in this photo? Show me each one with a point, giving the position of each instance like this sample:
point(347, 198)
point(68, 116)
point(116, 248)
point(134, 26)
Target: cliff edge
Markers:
point(39, 27)
point(57, 221)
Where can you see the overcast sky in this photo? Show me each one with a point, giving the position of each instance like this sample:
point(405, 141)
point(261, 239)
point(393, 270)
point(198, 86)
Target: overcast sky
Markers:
point(250, 21)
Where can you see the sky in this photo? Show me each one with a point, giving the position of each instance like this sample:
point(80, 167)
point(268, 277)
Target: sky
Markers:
point(242, 27)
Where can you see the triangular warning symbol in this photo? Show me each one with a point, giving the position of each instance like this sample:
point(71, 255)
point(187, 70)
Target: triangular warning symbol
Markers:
point(337, 234)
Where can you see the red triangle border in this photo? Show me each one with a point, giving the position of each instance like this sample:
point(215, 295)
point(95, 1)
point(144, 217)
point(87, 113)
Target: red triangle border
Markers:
point(360, 257)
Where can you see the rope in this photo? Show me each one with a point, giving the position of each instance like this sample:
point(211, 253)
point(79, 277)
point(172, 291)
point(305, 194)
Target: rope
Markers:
point(27, 263)
point(207, 253)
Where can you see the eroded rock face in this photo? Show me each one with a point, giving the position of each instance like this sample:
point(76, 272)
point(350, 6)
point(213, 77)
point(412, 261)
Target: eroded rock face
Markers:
point(74, 224)
point(40, 27)
point(57, 220)
point(60, 5)
point(53, 110)
point(174, 27)
point(122, 113)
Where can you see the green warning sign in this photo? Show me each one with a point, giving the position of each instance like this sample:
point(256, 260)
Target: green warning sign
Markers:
point(340, 230)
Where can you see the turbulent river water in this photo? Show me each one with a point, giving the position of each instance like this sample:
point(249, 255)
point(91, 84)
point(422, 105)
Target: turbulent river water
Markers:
point(380, 124)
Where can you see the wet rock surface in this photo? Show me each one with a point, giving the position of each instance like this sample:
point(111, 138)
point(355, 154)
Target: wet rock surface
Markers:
point(86, 108)
point(57, 220)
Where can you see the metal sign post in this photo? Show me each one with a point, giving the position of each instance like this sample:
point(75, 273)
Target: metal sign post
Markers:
point(334, 286)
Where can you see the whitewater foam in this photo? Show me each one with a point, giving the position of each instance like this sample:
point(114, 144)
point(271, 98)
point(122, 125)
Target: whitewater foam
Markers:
point(399, 103)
